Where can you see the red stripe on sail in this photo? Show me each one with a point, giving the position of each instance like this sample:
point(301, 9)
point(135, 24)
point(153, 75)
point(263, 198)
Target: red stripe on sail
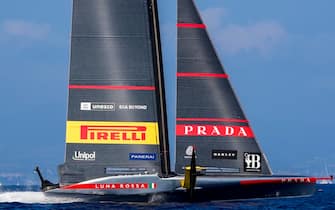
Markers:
point(111, 87)
point(213, 130)
point(191, 25)
point(213, 120)
point(196, 74)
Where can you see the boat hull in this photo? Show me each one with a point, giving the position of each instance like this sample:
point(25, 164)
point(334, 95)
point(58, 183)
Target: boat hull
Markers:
point(151, 188)
point(250, 188)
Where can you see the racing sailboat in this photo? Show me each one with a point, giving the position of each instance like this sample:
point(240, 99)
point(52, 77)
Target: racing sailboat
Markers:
point(116, 131)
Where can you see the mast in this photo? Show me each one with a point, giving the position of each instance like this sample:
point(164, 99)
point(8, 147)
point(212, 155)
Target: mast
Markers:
point(160, 94)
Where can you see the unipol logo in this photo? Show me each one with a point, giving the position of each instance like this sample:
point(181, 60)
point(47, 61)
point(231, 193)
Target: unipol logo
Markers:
point(113, 133)
point(78, 155)
point(214, 130)
point(252, 162)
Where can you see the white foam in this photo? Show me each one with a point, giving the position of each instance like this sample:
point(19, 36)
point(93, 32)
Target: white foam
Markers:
point(34, 197)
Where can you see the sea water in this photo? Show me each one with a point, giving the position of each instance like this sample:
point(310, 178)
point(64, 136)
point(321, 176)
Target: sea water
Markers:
point(29, 197)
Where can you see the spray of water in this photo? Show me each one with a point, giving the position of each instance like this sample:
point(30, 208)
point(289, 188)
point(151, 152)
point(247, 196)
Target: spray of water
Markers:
point(157, 198)
point(34, 197)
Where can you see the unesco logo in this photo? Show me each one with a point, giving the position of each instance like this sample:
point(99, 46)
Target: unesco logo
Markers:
point(252, 162)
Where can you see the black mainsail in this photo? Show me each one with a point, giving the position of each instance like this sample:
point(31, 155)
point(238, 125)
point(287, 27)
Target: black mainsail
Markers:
point(209, 116)
point(116, 108)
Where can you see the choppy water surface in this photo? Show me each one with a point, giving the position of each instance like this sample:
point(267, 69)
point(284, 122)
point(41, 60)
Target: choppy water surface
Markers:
point(24, 197)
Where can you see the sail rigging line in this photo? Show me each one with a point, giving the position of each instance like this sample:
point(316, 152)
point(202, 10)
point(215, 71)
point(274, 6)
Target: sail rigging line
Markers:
point(160, 94)
point(111, 87)
point(198, 74)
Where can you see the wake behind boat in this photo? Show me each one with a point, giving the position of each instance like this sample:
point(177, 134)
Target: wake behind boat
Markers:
point(117, 144)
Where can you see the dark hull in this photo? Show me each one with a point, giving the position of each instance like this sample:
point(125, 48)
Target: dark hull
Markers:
point(245, 192)
point(207, 189)
point(205, 195)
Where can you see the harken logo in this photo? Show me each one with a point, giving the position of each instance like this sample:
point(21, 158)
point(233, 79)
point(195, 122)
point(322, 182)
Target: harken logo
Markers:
point(88, 156)
point(252, 162)
point(224, 154)
point(113, 133)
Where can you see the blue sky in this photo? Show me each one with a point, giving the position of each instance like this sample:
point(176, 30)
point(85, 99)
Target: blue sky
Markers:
point(280, 56)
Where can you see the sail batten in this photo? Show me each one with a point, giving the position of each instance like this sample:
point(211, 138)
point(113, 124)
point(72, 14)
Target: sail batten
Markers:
point(191, 25)
point(200, 74)
point(212, 120)
point(111, 87)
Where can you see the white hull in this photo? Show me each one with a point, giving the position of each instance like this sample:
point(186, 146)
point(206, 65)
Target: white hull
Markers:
point(123, 185)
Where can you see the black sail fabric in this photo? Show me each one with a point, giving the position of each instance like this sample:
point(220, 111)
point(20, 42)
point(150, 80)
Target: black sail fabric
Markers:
point(113, 106)
point(209, 116)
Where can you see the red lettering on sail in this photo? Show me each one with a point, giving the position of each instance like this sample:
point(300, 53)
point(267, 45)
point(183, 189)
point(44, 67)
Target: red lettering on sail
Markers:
point(214, 130)
point(113, 133)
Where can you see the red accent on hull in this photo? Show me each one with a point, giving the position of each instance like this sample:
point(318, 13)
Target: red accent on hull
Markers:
point(111, 87)
point(196, 74)
point(330, 178)
point(213, 120)
point(284, 180)
point(191, 25)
